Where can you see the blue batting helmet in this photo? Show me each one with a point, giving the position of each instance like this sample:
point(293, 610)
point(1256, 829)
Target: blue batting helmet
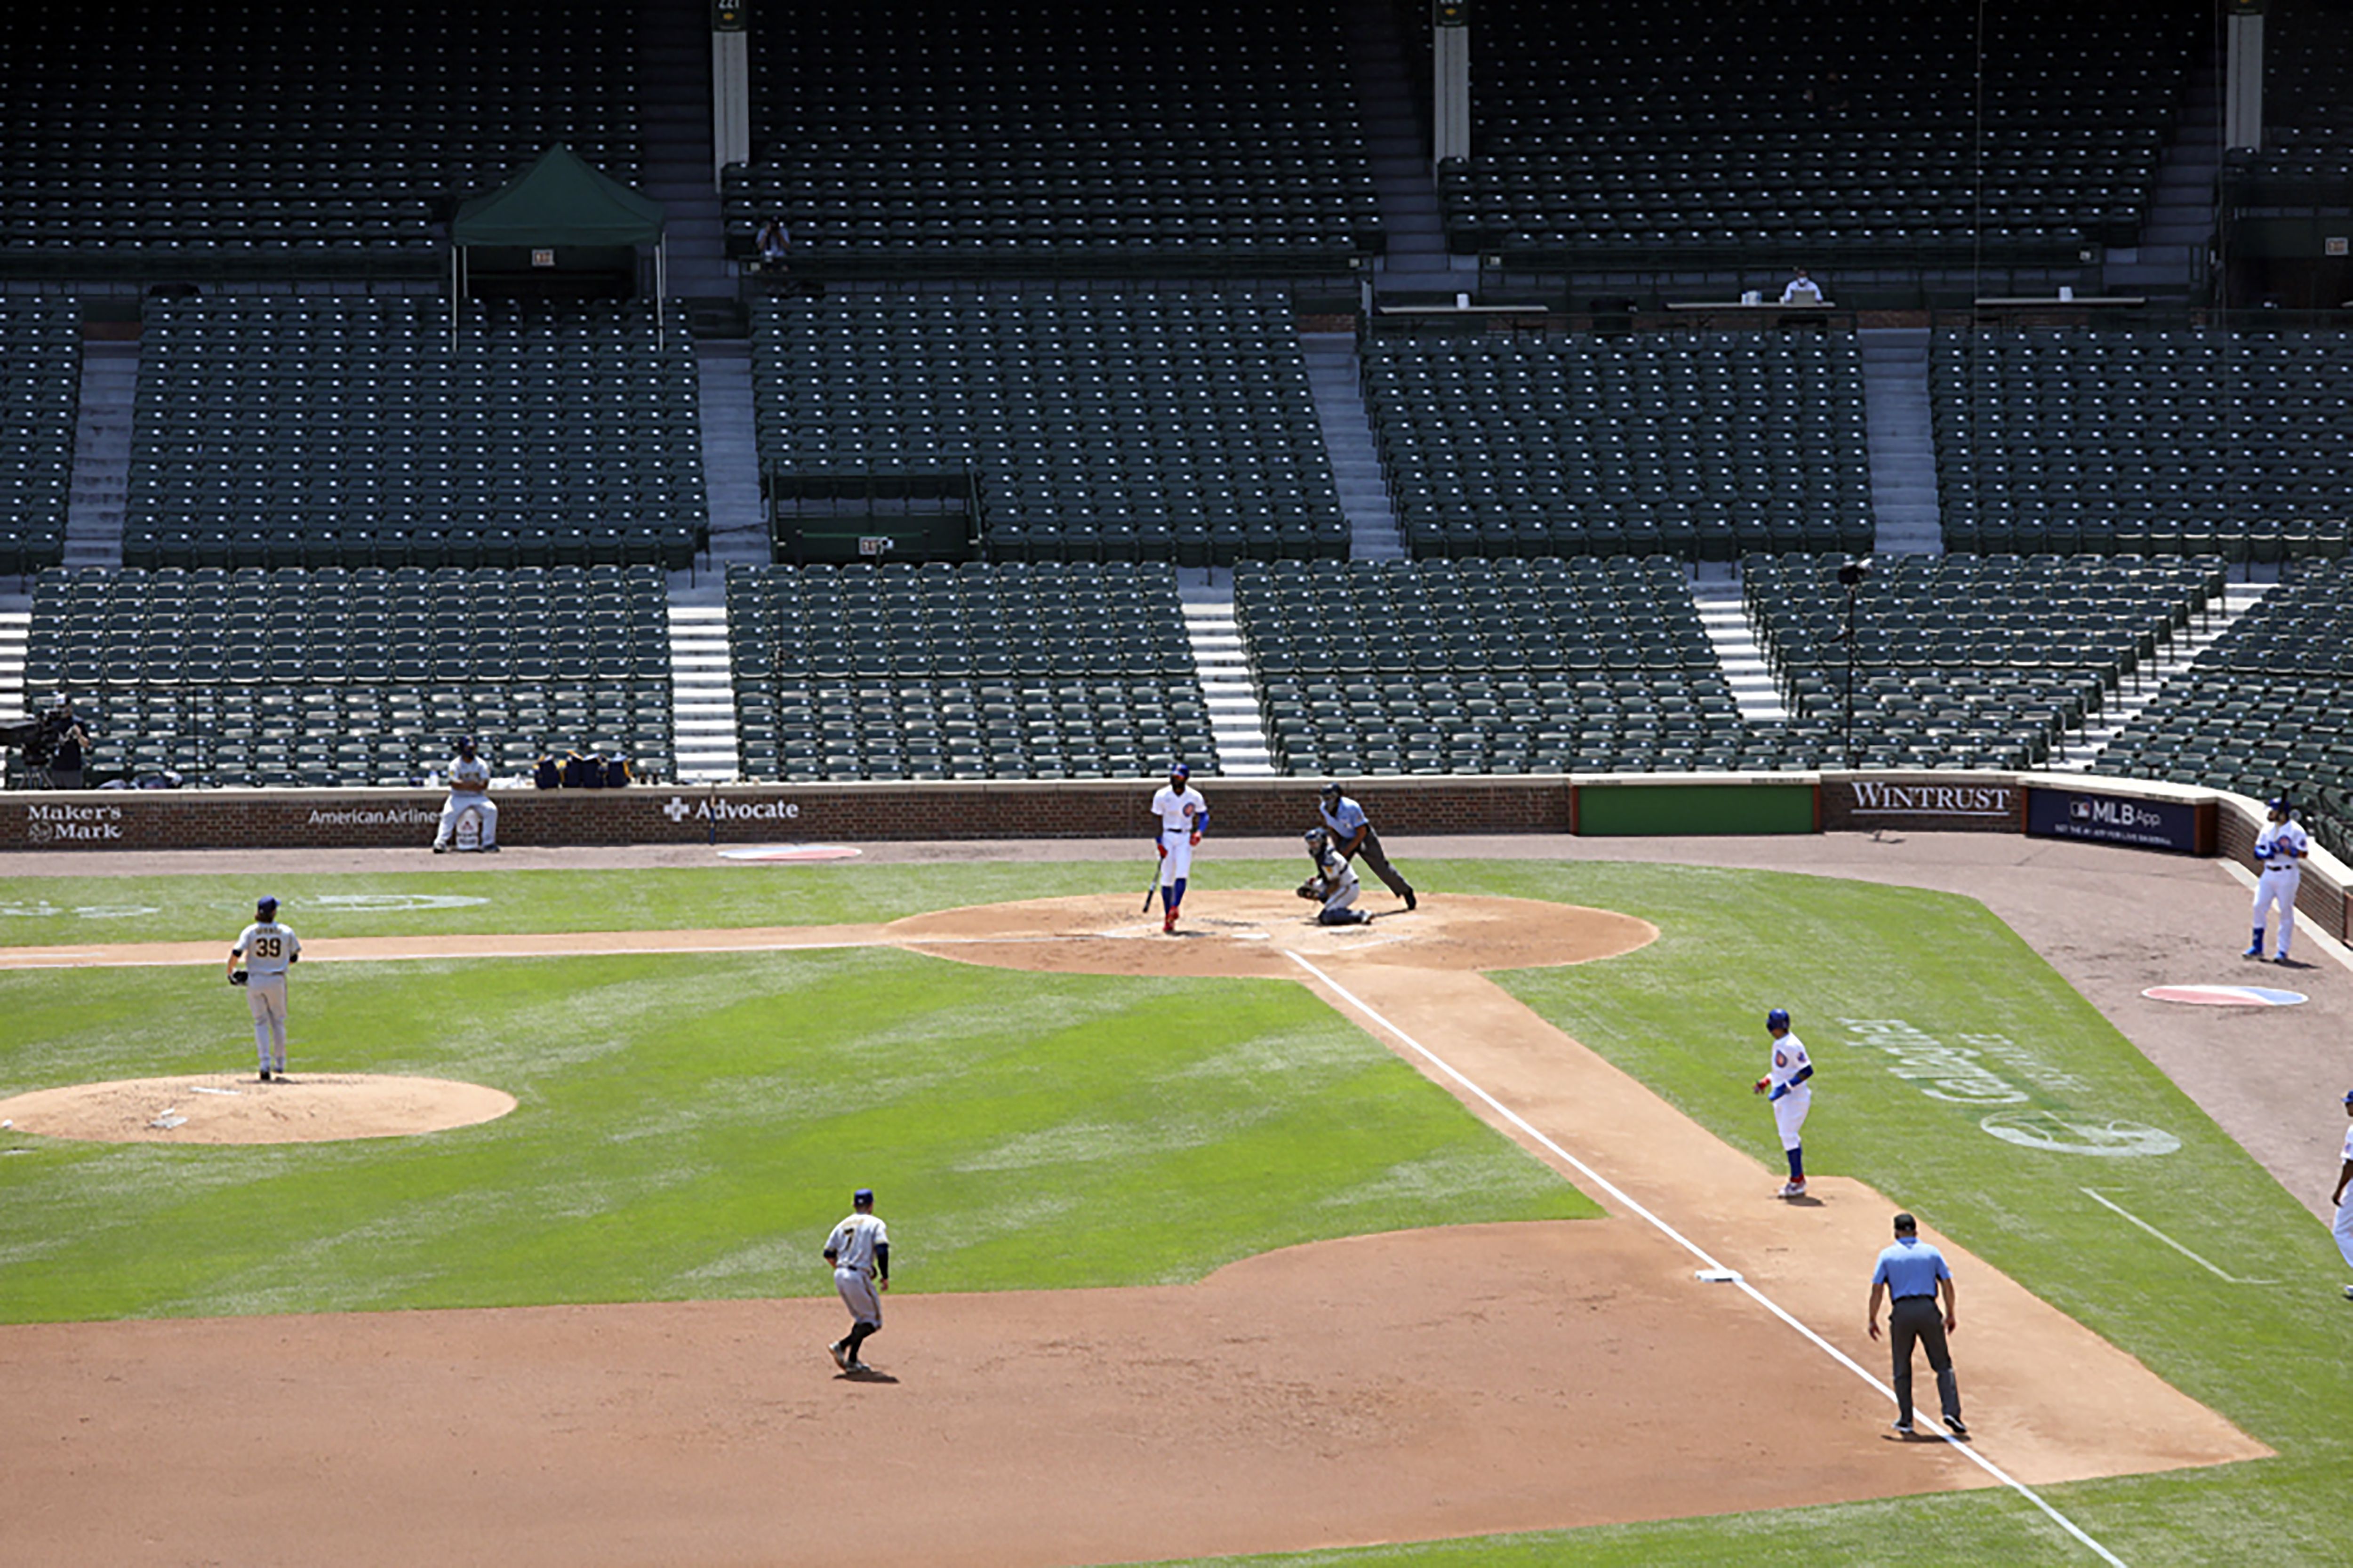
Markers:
point(1779, 1018)
point(1179, 771)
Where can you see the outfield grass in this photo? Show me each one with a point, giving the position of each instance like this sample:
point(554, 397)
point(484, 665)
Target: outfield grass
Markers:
point(678, 1137)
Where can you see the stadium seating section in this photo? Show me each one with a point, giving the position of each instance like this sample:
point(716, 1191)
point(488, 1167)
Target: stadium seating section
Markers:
point(2135, 442)
point(209, 140)
point(1063, 138)
point(1699, 448)
point(1511, 666)
point(2307, 158)
point(1962, 661)
point(1158, 425)
point(2262, 710)
point(345, 430)
point(1052, 670)
point(1848, 134)
point(331, 677)
point(40, 387)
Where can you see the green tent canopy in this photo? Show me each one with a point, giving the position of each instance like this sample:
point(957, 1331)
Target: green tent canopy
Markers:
point(559, 200)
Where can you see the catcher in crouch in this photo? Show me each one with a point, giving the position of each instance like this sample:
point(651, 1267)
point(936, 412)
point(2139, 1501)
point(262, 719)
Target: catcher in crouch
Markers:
point(1333, 885)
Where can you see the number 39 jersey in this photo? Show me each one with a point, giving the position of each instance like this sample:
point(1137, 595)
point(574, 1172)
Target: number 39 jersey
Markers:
point(267, 948)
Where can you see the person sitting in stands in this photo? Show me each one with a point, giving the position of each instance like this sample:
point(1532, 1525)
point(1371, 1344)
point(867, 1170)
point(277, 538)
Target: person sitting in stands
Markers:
point(1802, 290)
point(775, 243)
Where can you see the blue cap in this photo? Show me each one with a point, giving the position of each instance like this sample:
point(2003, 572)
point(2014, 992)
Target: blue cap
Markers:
point(862, 1195)
point(1779, 1018)
point(1179, 771)
point(2348, 1096)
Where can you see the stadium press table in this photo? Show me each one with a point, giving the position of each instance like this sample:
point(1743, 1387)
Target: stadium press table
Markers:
point(1701, 315)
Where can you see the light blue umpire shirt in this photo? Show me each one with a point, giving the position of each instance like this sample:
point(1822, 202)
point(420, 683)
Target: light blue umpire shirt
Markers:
point(1910, 1267)
point(1344, 819)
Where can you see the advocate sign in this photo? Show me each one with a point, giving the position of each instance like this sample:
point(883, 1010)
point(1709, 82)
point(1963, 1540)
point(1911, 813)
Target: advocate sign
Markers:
point(2129, 820)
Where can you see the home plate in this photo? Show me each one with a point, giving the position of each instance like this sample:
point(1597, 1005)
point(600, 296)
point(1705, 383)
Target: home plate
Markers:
point(2225, 995)
point(789, 852)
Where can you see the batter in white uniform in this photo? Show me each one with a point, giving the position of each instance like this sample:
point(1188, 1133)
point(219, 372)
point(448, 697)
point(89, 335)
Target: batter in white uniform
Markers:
point(859, 1251)
point(1183, 816)
point(267, 948)
point(2280, 850)
point(2344, 1226)
point(470, 790)
point(1785, 1081)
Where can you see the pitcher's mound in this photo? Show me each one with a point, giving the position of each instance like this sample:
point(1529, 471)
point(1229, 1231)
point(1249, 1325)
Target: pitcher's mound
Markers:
point(217, 1108)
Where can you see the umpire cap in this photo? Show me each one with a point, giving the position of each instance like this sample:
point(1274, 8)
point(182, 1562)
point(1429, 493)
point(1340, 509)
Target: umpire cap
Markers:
point(1331, 786)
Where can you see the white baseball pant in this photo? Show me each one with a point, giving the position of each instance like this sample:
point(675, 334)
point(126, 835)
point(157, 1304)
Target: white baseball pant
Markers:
point(2344, 1228)
point(457, 807)
point(2278, 886)
point(857, 1294)
point(1178, 865)
point(265, 995)
point(1790, 1115)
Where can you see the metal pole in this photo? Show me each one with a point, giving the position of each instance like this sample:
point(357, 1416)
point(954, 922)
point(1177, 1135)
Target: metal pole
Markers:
point(1849, 676)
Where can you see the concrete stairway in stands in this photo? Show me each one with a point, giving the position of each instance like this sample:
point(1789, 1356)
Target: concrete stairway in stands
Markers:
point(674, 99)
point(1902, 441)
point(100, 487)
point(2171, 261)
point(1726, 619)
point(1332, 372)
point(1416, 261)
point(731, 469)
point(701, 694)
point(2081, 753)
point(1234, 721)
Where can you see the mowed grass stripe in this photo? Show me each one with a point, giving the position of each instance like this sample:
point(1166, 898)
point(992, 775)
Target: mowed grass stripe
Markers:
point(691, 1127)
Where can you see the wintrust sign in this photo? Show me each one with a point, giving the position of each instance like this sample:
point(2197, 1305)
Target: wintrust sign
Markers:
point(1925, 805)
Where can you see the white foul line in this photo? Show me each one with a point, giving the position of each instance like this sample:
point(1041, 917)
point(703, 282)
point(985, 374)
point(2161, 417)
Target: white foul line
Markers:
point(1626, 1200)
point(2136, 1219)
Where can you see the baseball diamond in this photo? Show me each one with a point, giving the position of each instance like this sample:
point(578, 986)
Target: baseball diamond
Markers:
point(1598, 1425)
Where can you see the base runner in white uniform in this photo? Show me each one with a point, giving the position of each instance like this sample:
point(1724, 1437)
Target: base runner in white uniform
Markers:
point(2343, 1229)
point(1785, 1081)
point(470, 790)
point(2280, 850)
point(1182, 817)
point(268, 949)
point(859, 1251)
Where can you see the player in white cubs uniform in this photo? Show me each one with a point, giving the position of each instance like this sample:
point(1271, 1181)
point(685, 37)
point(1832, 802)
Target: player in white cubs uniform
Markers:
point(268, 949)
point(859, 1251)
point(1183, 816)
point(469, 789)
point(1785, 1081)
point(2280, 850)
point(2343, 1229)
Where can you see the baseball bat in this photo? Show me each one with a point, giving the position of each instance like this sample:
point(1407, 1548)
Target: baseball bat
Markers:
point(1153, 886)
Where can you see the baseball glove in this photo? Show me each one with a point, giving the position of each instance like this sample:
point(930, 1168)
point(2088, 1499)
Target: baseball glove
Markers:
point(238, 978)
point(1311, 891)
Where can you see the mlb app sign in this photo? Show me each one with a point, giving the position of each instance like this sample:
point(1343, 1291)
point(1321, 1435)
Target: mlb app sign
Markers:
point(2113, 819)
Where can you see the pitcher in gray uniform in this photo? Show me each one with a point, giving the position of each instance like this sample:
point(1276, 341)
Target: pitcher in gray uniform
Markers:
point(268, 949)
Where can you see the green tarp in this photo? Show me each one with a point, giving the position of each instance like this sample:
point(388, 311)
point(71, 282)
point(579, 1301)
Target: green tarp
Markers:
point(559, 200)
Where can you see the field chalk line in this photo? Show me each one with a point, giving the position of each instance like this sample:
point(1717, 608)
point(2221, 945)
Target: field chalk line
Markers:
point(1627, 1199)
point(2136, 1219)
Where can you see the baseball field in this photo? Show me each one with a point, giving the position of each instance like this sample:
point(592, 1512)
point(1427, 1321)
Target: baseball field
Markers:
point(1329, 1247)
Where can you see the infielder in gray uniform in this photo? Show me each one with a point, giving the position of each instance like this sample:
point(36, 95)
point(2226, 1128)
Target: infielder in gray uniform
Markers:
point(859, 1251)
point(1353, 834)
point(268, 949)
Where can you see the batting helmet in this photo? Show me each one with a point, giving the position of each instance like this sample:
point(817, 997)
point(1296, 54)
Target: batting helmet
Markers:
point(1179, 771)
point(1779, 1018)
point(265, 909)
point(2282, 806)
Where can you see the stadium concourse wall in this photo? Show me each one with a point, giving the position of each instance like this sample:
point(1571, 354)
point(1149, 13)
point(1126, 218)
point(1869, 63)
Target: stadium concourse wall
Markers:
point(2130, 813)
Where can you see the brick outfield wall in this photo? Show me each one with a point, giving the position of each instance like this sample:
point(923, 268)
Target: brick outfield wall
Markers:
point(854, 813)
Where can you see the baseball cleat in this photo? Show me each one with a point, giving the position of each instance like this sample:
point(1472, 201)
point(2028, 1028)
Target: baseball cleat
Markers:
point(2253, 952)
point(1410, 900)
point(2349, 1292)
point(856, 1367)
point(1792, 1190)
point(1957, 1427)
point(1903, 1428)
point(839, 1351)
point(2282, 958)
point(1168, 923)
point(265, 1075)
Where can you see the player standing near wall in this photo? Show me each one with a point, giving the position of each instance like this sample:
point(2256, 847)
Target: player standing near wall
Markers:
point(2280, 850)
point(268, 949)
